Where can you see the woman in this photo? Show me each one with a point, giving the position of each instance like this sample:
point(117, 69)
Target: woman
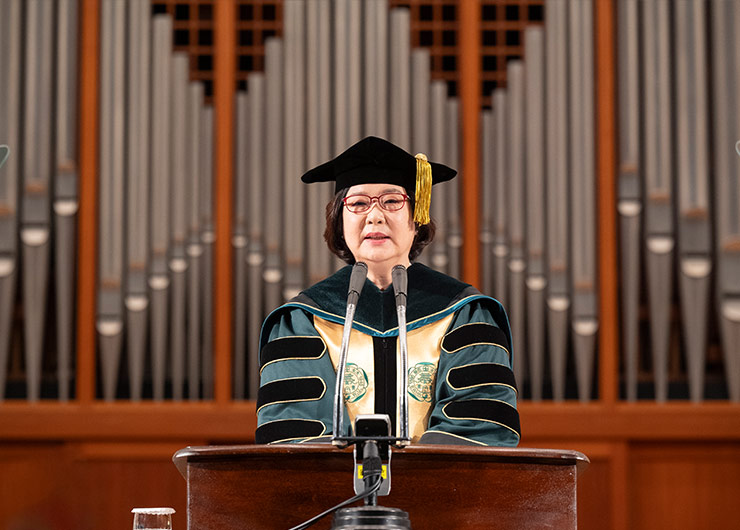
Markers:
point(461, 386)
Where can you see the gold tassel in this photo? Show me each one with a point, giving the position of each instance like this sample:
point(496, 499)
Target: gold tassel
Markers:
point(423, 189)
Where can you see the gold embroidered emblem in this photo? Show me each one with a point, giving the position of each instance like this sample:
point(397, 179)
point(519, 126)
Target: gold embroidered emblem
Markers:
point(355, 383)
point(421, 379)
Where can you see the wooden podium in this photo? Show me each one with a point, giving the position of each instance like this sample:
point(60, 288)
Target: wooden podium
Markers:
point(276, 487)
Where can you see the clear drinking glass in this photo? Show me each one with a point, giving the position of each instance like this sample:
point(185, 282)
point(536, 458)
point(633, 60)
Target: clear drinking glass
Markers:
point(153, 518)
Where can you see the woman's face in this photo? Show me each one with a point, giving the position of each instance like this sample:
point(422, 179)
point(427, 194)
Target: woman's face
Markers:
point(379, 237)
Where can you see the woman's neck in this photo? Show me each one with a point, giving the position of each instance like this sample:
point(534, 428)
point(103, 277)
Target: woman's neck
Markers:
point(380, 274)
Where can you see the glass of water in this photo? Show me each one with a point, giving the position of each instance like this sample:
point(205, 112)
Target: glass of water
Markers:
point(153, 518)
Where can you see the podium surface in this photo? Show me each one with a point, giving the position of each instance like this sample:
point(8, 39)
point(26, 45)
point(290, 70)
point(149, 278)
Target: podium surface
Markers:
point(440, 486)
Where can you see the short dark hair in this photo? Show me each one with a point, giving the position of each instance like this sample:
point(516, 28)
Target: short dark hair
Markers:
point(334, 233)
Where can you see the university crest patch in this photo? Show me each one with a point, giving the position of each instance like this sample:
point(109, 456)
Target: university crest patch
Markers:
point(421, 381)
point(355, 383)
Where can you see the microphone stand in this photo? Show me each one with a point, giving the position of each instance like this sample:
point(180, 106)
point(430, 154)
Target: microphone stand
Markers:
point(400, 286)
point(372, 515)
point(373, 443)
point(371, 438)
point(356, 282)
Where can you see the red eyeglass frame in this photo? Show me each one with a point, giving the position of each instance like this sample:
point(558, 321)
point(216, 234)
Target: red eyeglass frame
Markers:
point(375, 199)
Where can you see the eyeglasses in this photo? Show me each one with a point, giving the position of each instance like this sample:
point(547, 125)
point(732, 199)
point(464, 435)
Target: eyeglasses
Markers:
point(390, 202)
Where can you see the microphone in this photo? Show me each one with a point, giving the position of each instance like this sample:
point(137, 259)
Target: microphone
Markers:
point(400, 281)
point(356, 283)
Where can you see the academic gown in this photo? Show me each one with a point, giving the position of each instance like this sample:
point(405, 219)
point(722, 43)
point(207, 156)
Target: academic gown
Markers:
point(461, 384)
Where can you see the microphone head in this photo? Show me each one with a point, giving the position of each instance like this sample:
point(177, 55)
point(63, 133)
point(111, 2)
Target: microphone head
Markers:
point(400, 280)
point(357, 278)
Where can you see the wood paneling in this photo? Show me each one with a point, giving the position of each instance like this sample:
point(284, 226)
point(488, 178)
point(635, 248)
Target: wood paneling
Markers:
point(470, 103)
point(224, 86)
point(687, 486)
point(657, 485)
point(602, 487)
point(606, 174)
point(87, 249)
point(54, 486)
point(594, 507)
point(234, 421)
point(112, 482)
point(129, 421)
point(30, 480)
point(91, 485)
point(630, 422)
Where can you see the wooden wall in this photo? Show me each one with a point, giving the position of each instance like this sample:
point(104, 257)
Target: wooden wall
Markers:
point(86, 485)
point(85, 467)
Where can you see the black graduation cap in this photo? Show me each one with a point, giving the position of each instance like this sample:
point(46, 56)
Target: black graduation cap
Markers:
point(373, 160)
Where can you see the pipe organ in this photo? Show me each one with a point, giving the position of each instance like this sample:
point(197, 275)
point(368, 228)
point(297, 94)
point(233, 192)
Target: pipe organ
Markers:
point(306, 115)
point(339, 71)
point(667, 167)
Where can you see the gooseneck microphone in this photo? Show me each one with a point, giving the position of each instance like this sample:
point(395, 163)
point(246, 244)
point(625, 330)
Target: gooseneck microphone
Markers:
point(372, 437)
point(400, 280)
point(356, 282)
